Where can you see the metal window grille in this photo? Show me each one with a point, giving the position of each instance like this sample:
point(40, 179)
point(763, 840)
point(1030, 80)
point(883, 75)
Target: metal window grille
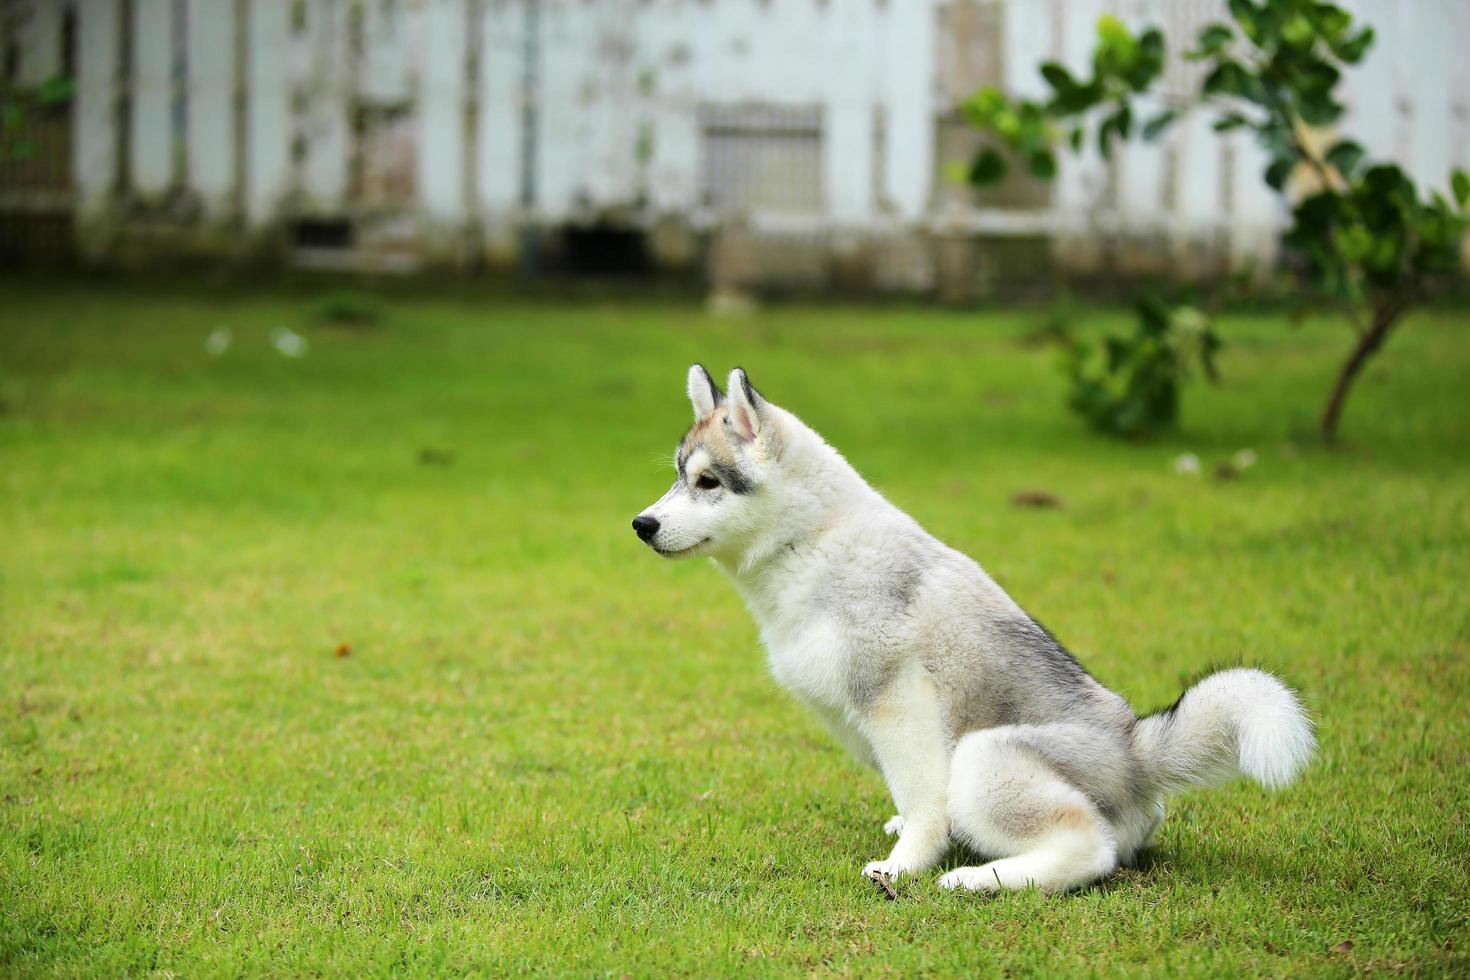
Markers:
point(762, 158)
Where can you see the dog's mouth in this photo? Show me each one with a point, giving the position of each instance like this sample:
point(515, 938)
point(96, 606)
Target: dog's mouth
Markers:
point(677, 552)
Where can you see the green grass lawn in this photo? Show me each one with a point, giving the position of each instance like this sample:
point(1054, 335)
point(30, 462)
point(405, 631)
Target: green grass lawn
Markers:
point(549, 751)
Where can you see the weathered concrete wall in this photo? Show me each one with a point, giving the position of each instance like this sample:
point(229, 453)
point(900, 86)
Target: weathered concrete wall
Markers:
point(443, 128)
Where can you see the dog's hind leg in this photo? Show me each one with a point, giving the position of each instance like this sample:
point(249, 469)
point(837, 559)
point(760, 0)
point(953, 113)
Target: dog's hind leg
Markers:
point(1007, 799)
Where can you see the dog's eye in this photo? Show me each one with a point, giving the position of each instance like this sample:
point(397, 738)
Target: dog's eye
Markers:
point(706, 482)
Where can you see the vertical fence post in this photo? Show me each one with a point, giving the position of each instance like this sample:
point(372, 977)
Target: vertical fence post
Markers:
point(268, 117)
point(500, 109)
point(324, 170)
point(95, 144)
point(847, 157)
point(40, 46)
point(441, 118)
point(151, 140)
point(908, 171)
point(210, 140)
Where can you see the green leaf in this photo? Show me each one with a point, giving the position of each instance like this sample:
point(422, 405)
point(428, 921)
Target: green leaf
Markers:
point(1345, 156)
point(1384, 256)
point(1312, 78)
point(1227, 78)
point(1352, 51)
point(1230, 122)
point(1354, 243)
point(1278, 171)
point(989, 167)
point(1057, 77)
point(1155, 127)
point(1043, 164)
point(1147, 62)
point(1111, 30)
point(1250, 19)
point(1460, 185)
point(1153, 313)
point(1105, 138)
point(1007, 124)
point(1298, 32)
point(1212, 40)
point(55, 90)
point(1123, 121)
point(1332, 22)
point(1075, 139)
point(1313, 221)
point(982, 107)
point(1076, 100)
point(1319, 110)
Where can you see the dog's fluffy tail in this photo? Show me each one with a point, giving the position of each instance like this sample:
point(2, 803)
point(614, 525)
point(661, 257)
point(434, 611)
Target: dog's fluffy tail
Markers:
point(1234, 723)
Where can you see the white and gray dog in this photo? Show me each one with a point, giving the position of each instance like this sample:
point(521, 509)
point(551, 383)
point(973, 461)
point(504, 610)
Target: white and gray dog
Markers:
point(986, 730)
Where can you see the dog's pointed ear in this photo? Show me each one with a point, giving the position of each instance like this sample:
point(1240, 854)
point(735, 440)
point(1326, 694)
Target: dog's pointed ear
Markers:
point(704, 394)
point(748, 415)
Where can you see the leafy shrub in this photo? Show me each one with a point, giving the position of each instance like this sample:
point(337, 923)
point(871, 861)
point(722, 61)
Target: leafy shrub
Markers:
point(1129, 386)
point(1373, 242)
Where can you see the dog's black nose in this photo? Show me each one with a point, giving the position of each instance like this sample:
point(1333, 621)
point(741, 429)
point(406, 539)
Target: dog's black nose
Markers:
point(646, 526)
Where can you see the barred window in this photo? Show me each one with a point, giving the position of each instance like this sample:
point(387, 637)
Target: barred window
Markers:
point(762, 158)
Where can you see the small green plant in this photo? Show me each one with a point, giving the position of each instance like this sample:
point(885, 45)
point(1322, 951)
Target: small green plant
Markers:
point(1374, 245)
point(347, 308)
point(16, 143)
point(1129, 386)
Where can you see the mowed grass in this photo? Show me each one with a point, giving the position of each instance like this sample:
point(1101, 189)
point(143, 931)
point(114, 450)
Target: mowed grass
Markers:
point(550, 752)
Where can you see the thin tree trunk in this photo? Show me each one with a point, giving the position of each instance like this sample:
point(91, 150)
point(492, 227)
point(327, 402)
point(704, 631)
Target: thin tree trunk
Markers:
point(1385, 318)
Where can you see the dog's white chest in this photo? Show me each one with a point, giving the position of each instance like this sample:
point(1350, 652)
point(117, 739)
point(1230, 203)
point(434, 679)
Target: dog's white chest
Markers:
point(809, 662)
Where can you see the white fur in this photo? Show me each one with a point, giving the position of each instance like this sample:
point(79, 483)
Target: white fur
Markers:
point(1235, 723)
point(985, 732)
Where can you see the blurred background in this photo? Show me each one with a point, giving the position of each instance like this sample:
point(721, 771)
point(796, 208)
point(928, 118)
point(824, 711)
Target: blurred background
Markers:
point(340, 341)
point(744, 144)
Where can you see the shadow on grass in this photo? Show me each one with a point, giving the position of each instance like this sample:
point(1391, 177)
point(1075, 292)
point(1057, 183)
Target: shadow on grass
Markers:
point(1155, 868)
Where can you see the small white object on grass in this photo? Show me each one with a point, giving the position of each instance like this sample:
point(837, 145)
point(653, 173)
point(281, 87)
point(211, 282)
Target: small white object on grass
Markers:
point(1186, 464)
point(218, 341)
point(288, 342)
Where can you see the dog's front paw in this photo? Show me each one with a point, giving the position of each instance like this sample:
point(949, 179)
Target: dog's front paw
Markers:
point(884, 874)
point(894, 826)
point(883, 869)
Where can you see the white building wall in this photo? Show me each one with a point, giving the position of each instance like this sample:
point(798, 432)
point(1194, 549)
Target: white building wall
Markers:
point(614, 103)
point(676, 57)
point(624, 79)
point(1408, 101)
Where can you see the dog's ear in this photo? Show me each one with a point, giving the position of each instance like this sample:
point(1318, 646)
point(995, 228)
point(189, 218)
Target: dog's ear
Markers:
point(748, 415)
point(704, 394)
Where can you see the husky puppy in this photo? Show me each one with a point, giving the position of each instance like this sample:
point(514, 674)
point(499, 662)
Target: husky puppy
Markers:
point(985, 729)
